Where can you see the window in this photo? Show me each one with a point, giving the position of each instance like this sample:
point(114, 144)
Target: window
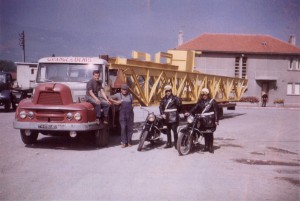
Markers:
point(297, 88)
point(290, 88)
point(237, 67)
point(293, 64)
point(244, 67)
point(293, 89)
point(240, 67)
point(32, 71)
point(298, 65)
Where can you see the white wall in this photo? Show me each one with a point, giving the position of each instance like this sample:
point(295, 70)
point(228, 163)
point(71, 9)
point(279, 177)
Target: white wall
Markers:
point(271, 67)
point(25, 77)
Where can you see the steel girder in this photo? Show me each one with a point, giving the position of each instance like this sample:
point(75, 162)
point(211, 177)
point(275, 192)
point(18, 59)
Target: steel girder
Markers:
point(147, 80)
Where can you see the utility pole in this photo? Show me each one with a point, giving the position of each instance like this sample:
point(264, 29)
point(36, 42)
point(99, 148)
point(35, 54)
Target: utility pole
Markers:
point(22, 43)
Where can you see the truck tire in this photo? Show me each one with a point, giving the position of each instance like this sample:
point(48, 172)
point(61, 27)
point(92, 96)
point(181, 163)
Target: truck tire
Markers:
point(102, 137)
point(29, 136)
point(7, 106)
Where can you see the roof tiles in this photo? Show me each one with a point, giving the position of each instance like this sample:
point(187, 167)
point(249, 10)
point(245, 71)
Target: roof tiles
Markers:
point(259, 44)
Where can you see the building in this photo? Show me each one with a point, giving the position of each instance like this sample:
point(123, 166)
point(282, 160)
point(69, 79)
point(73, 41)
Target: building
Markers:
point(26, 74)
point(271, 66)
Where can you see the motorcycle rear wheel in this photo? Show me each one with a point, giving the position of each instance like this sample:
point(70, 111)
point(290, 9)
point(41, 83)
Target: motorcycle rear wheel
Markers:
point(143, 137)
point(184, 143)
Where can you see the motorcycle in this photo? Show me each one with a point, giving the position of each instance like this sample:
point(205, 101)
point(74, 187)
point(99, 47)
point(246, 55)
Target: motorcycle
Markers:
point(152, 129)
point(191, 134)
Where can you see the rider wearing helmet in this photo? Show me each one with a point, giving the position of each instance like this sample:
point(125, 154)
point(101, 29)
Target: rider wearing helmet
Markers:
point(210, 106)
point(170, 107)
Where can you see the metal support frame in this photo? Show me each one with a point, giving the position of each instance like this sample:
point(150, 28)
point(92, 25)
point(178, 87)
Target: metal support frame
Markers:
point(147, 80)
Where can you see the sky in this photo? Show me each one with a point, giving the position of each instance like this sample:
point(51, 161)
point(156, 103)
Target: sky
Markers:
point(117, 27)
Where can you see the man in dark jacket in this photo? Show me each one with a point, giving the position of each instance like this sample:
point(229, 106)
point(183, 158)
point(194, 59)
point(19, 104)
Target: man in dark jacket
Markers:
point(170, 107)
point(210, 123)
point(264, 99)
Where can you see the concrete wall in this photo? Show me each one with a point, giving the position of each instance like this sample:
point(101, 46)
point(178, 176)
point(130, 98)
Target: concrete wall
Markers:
point(216, 64)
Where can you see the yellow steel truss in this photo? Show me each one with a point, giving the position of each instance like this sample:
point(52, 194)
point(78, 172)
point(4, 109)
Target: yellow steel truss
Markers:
point(147, 80)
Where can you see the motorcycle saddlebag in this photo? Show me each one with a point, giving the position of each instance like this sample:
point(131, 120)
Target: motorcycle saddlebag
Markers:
point(171, 115)
point(208, 119)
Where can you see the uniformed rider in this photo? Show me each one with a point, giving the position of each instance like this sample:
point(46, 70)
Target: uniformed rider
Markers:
point(210, 106)
point(170, 107)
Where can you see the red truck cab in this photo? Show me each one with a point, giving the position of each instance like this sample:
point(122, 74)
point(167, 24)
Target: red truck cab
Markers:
point(58, 105)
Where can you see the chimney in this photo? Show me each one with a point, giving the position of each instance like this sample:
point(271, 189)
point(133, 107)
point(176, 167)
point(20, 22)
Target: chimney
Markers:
point(292, 40)
point(180, 38)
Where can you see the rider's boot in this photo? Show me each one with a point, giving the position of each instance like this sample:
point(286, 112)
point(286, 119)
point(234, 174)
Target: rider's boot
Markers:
point(175, 140)
point(211, 143)
point(169, 144)
point(205, 143)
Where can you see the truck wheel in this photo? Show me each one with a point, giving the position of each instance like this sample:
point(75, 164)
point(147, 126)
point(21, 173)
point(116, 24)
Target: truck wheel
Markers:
point(7, 106)
point(105, 135)
point(14, 105)
point(102, 137)
point(29, 136)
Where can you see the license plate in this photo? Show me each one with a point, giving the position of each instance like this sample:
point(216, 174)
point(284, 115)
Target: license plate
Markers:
point(46, 126)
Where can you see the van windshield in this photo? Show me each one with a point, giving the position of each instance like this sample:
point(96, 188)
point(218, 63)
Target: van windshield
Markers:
point(62, 72)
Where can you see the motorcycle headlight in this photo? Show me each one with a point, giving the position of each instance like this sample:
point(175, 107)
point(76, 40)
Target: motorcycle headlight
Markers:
point(190, 119)
point(77, 116)
point(22, 115)
point(151, 117)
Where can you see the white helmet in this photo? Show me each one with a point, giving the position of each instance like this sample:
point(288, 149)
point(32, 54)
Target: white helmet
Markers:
point(168, 87)
point(205, 91)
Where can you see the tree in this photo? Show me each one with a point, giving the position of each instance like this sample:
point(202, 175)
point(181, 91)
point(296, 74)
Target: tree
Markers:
point(7, 66)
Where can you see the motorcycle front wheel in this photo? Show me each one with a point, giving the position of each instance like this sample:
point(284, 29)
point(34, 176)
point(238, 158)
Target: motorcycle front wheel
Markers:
point(143, 137)
point(184, 143)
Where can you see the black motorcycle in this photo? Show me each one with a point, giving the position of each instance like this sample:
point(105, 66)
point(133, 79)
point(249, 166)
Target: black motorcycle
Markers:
point(193, 133)
point(152, 129)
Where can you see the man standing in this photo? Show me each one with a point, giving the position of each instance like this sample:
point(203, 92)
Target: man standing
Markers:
point(126, 115)
point(264, 99)
point(170, 107)
point(92, 95)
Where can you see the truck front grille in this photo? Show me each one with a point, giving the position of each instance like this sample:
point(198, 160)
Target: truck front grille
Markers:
point(50, 119)
point(50, 98)
point(50, 115)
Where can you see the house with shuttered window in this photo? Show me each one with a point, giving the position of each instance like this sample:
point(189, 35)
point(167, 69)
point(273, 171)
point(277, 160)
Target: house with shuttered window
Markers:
point(271, 65)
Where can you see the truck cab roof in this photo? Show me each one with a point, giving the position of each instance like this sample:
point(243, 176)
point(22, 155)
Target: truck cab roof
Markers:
point(82, 60)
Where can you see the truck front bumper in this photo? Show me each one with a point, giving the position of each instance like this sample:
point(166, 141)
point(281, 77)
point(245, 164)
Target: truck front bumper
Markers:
point(57, 126)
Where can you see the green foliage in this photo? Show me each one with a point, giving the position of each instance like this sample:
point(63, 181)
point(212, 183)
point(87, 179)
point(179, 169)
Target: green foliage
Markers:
point(7, 66)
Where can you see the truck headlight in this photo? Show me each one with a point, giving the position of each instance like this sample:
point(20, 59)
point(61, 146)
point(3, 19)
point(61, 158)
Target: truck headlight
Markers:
point(77, 116)
point(22, 115)
point(30, 115)
point(69, 116)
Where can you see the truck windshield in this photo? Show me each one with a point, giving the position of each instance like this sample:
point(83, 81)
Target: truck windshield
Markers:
point(62, 72)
